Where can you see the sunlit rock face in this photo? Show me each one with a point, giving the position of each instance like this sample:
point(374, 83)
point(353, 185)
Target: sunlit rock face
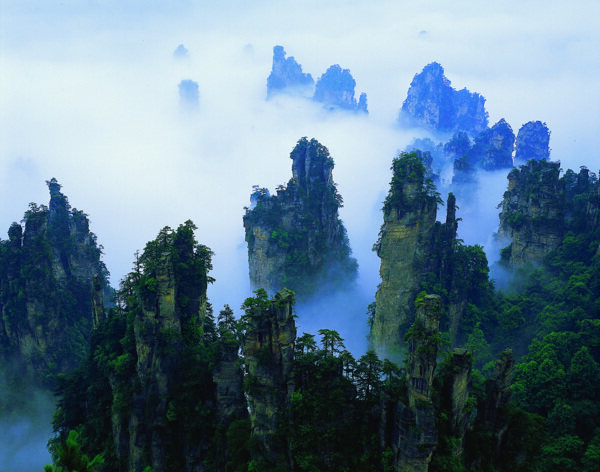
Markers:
point(335, 89)
point(295, 238)
point(409, 216)
point(47, 273)
point(434, 104)
point(533, 142)
point(493, 147)
point(286, 75)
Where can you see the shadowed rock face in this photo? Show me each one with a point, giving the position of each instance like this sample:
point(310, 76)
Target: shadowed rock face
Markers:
point(295, 238)
point(533, 142)
point(286, 74)
point(269, 351)
point(498, 392)
point(417, 438)
point(335, 89)
point(48, 273)
point(433, 103)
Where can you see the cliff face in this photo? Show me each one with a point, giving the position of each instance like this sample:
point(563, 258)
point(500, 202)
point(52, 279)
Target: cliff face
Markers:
point(455, 397)
point(408, 223)
point(533, 142)
point(295, 238)
point(269, 350)
point(286, 74)
point(433, 103)
point(532, 213)
point(417, 253)
point(174, 380)
point(335, 89)
point(417, 436)
point(48, 274)
point(493, 413)
point(168, 317)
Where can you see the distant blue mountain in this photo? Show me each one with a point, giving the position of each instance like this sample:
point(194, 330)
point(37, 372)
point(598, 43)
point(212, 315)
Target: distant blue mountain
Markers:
point(335, 89)
point(533, 142)
point(286, 74)
point(433, 103)
point(180, 52)
point(188, 93)
point(493, 147)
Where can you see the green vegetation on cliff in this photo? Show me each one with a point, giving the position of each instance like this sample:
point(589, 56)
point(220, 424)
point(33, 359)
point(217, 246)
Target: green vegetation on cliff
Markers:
point(419, 253)
point(295, 238)
point(47, 270)
point(164, 386)
point(151, 365)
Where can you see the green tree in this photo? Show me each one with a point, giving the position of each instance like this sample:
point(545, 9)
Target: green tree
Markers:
point(70, 458)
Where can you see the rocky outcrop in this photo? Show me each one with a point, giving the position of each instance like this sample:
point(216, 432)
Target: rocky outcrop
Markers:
point(295, 238)
point(433, 103)
point(456, 396)
point(458, 146)
point(417, 436)
point(533, 142)
point(286, 75)
point(269, 352)
point(540, 207)
point(493, 147)
point(404, 243)
point(167, 312)
point(158, 347)
point(335, 89)
point(532, 215)
point(51, 288)
point(493, 413)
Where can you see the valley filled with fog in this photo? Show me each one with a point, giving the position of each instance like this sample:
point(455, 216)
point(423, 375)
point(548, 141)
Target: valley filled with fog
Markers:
point(89, 95)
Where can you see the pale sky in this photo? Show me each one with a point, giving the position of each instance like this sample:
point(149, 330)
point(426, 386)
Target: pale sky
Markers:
point(88, 94)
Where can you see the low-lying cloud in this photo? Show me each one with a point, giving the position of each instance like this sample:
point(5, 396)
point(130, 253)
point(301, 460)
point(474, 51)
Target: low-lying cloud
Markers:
point(90, 96)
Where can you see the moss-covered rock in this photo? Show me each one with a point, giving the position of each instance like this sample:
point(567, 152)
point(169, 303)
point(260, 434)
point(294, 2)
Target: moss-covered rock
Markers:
point(295, 238)
point(540, 207)
point(269, 355)
point(49, 273)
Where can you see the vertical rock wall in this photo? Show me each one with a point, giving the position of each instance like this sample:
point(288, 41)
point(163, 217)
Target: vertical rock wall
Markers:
point(269, 351)
point(532, 215)
point(295, 238)
point(48, 273)
point(417, 431)
point(405, 236)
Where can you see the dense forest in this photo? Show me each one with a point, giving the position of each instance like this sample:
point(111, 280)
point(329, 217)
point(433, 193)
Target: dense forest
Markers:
point(479, 378)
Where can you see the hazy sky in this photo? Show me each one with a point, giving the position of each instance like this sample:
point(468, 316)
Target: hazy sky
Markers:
point(89, 95)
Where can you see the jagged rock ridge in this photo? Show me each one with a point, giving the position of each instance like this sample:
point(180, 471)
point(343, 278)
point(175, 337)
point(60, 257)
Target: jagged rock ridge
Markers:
point(335, 89)
point(286, 74)
point(433, 103)
point(295, 238)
